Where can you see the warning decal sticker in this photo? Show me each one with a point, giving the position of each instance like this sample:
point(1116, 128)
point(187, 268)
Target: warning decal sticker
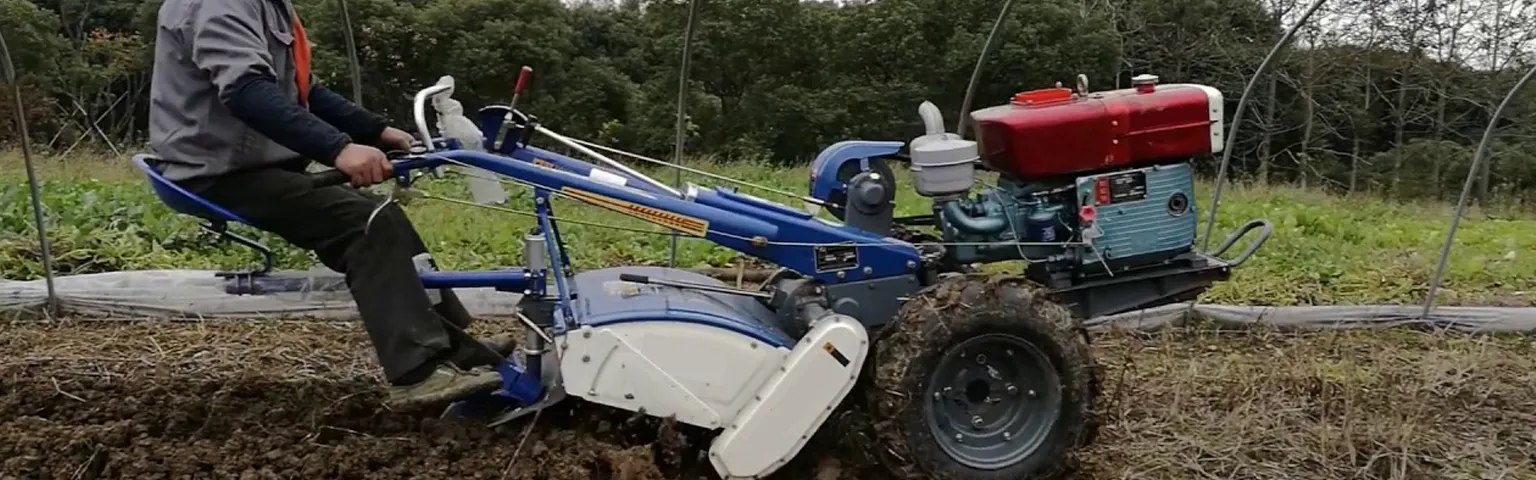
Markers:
point(682, 223)
point(836, 354)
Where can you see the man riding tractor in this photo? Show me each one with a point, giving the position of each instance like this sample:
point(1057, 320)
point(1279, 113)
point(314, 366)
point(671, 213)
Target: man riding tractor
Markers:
point(235, 119)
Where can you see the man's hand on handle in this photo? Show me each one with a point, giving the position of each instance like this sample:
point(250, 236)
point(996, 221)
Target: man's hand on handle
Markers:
point(395, 139)
point(364, 165)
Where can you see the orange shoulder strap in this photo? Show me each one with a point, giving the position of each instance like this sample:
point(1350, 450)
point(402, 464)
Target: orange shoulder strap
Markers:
point(300, 58)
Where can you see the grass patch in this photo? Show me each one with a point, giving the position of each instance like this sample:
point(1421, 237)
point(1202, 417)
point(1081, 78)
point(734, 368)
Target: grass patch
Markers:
point(1325, 250)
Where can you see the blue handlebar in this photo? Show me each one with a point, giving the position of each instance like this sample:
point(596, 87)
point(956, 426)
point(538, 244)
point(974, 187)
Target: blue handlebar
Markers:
point(399, 167)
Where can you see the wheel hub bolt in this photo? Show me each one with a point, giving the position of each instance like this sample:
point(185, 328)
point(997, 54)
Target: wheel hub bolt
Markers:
point(959, 438)
point(981, 359)
point(1012, 390)
point(1007, 436)
point(1032, 394)
point(976, 420)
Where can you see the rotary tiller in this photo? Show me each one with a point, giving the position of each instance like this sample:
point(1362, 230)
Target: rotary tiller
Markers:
point(965, 375)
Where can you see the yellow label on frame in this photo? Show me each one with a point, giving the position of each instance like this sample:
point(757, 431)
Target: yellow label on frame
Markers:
point(682, 223)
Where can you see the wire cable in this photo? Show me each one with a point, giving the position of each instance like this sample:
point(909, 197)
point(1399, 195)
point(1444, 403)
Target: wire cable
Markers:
point(557, 193)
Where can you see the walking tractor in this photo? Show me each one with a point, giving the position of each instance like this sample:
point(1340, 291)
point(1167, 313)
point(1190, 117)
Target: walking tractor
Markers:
point(962, 373)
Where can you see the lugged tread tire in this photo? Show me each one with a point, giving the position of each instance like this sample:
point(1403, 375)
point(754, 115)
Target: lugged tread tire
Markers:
point(941, 317)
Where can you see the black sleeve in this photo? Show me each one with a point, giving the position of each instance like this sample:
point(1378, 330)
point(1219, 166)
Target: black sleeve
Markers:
point(258, 102)
point(362, 125)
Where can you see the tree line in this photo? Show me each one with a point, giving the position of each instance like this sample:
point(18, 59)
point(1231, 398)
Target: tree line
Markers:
point(1381, 96)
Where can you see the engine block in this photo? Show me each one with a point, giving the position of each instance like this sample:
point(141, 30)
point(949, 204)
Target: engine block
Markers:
point(1128, 218)
point(1142, 213)
point(988, 227)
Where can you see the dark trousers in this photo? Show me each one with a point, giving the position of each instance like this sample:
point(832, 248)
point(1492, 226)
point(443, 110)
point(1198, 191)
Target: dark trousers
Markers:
point(408, 332)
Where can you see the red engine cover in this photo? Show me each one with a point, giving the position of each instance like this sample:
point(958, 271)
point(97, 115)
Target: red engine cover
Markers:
point(1050, 132)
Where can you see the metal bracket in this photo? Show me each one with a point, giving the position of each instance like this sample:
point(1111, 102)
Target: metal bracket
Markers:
point(551, 397)
point(222, 230)
point(404, 194)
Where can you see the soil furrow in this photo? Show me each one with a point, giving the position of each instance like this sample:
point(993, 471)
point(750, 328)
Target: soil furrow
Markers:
point(252, 400)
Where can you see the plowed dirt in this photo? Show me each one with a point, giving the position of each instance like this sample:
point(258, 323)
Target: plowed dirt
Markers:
point(283, 400)
point(254, 400)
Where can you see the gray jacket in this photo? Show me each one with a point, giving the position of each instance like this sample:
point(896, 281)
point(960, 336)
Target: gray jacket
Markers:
point(202, 47)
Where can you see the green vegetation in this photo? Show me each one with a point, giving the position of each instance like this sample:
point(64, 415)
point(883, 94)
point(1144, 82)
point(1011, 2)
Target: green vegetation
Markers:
point(1326, 249)
point(1384, 96)
point(1354, 113)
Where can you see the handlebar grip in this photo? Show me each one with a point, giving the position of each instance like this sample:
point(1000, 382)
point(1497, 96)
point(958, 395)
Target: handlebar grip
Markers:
point(522, 79)
point(329, 178)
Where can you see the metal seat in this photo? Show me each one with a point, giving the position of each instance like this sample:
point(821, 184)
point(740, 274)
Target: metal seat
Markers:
point(178, 198)
point(218, 218)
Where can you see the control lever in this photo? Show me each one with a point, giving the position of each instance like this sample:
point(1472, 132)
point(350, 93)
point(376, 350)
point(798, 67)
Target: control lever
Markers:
point(633, 278)
point(517, 90)
point(333, 177)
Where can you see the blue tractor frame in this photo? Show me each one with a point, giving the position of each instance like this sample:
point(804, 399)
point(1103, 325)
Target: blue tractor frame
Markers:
point(857, 272)
point(771, 232)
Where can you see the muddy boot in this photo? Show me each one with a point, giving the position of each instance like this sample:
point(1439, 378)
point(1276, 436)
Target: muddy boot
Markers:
point(446, 384)
point(470, 356)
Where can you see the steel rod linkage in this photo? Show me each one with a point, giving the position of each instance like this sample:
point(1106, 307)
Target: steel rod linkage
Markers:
point(352, 61)
point(1483, 148)
point(981, 60)
point(682, 119)
point(1237, 117)
point(32, 184)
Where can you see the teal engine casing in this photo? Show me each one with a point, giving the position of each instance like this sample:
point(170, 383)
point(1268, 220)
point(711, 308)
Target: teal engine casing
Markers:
point(1124, 219)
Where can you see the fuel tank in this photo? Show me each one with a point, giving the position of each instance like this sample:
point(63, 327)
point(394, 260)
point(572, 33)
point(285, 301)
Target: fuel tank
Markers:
point(1055, 132)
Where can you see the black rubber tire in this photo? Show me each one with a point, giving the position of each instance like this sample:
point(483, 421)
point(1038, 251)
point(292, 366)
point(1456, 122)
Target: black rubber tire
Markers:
point(943, 316)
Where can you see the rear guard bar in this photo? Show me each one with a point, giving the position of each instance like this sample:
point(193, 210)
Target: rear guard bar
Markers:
point(1179, 281)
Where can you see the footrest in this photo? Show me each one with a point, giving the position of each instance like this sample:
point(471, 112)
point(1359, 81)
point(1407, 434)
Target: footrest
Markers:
point(255, 283)
point(502, 280)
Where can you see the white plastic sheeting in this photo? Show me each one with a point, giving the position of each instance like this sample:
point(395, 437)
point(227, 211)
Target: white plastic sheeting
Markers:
point(1465, 319)
point(201, 294)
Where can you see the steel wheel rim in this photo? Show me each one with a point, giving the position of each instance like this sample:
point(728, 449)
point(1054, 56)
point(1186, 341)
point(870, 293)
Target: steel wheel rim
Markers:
point(972, 412)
